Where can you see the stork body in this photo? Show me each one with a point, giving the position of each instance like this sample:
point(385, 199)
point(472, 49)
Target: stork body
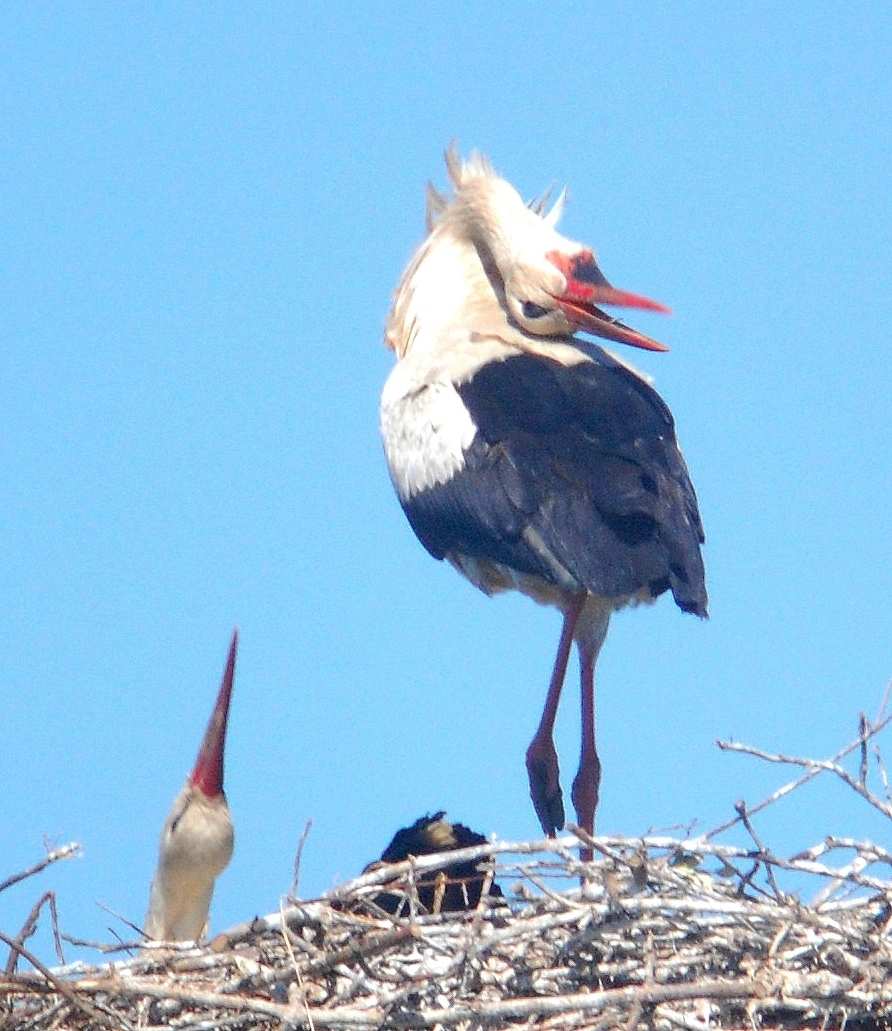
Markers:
point(527, 457)
point(197, 839)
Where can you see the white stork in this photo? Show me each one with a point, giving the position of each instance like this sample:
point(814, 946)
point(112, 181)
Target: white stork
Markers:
point(529, 458)
point(197, 840)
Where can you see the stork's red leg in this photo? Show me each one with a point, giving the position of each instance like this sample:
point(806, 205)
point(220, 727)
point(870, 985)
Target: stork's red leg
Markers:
point(542, 762)
point(588, 777)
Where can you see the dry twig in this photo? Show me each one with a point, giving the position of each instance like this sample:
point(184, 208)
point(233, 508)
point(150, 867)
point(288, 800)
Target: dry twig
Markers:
point(814, 767)
point(68, 851)
point(30, 926)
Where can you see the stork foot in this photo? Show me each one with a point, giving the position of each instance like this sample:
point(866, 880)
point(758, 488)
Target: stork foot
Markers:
point(545, 787)
point(585, 798)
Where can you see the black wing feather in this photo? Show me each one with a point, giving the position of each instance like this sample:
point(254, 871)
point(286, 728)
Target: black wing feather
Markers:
point(585, 456)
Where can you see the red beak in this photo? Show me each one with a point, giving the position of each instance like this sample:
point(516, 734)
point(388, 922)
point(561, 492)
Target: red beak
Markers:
point(208, 773)
point(587, 284)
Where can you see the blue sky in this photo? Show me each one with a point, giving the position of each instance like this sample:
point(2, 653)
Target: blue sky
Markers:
point(206, 209)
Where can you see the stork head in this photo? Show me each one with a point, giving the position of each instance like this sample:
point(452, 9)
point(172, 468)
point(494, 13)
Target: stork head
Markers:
point(550, 286)
point(546, 304)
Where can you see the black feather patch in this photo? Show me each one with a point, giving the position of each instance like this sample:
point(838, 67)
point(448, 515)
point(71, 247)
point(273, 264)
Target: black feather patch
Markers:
point(585, 458)
point(457, 887)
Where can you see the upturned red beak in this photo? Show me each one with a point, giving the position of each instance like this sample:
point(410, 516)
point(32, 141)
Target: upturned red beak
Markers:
point(207, 775)
point(586, 285)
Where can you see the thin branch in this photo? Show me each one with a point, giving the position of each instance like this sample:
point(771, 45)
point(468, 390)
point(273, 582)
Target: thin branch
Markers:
point(815, 766)
point(69, 851)
point(295, 876)
point(129, 923)
point(764, 854)
point(845, 877)
point(859, 845)
point(792, 785)
point(863, 731)
point(30, 926)
point(85, 943)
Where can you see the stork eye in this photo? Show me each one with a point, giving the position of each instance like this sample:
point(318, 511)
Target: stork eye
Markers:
point(533, 311)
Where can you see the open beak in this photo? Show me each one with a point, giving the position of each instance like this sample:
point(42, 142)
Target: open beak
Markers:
point(586, 284)
point(208, 773)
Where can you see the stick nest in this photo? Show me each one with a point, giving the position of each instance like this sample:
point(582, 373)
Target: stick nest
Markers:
point(657, 932)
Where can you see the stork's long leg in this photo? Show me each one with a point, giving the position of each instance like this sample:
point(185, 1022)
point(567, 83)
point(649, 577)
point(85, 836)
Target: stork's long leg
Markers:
point(542, 762)
point(588, 776)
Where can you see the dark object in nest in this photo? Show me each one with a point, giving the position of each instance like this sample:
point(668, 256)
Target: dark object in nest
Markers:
point(454, 889)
